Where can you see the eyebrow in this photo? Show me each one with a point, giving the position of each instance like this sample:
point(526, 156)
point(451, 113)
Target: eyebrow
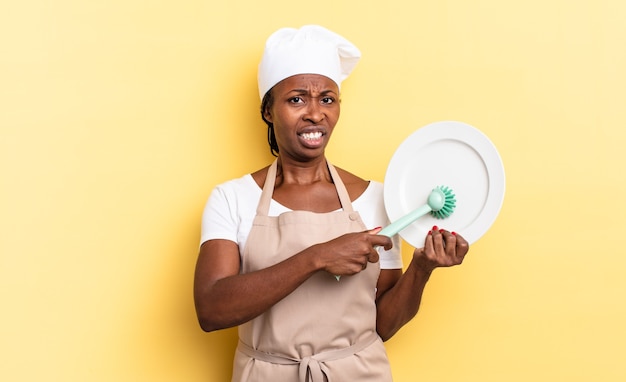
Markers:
point(305, 91)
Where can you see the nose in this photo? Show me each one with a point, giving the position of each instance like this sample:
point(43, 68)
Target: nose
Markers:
point(313, 112)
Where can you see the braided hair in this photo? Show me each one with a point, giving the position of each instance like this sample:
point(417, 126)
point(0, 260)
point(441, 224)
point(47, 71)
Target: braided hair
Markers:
point(266, 103)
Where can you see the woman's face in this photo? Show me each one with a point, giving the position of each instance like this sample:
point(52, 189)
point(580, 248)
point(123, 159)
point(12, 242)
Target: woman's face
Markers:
point(304, 113)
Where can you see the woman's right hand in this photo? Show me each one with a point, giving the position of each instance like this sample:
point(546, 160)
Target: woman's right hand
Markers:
point(225, 298)
point(350, 253)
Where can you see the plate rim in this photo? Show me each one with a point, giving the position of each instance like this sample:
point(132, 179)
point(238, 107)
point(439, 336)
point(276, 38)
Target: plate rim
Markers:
point(491, 159)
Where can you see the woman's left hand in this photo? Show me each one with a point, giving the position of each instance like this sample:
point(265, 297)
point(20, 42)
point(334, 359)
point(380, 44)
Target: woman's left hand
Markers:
point(441, 249)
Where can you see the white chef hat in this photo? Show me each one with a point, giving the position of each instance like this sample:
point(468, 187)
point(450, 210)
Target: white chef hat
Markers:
point(311, 49)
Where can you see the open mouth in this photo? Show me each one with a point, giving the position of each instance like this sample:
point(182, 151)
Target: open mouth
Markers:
point(312, 136)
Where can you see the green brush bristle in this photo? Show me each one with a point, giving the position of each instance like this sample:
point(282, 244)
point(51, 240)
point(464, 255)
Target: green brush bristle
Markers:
point(448, 205)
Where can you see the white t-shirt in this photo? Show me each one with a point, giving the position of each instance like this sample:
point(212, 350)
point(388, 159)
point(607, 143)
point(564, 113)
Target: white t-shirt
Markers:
point(231, 208)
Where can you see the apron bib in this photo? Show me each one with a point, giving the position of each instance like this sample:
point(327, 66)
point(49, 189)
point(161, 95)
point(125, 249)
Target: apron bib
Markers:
point(325, 330)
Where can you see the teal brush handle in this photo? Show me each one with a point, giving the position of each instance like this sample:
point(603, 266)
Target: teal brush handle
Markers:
point(400, 224)
point(441, 203)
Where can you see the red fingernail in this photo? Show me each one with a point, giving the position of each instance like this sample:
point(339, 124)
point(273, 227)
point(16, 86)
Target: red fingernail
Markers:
point(435, 228)
point(430, 232)
point(440, 231)
point(454, 233)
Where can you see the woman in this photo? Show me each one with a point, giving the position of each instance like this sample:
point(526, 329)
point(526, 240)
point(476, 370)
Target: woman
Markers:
point(274, 241)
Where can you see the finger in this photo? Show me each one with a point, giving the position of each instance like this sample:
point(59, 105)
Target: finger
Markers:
point(387, 244)
point(462, 246)
point(438, 244)
point(373, 257)
point(381, 241)
point(429, 245)
point(455, 247)
point(374, 231)
point(449, 243)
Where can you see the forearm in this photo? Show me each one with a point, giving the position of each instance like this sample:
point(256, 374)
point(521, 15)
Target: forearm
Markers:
point(401, 303)
point(233, 300)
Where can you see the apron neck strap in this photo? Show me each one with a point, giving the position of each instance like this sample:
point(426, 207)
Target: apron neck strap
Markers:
point(342, 192)
point(268, 189)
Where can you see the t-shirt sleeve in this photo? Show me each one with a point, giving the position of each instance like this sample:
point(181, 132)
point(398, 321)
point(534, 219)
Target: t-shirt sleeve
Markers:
point(372, 209)
point(219, 219)
point(391, 259)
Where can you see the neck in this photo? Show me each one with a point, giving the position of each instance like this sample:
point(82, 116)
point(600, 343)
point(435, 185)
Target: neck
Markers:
point(302, 173)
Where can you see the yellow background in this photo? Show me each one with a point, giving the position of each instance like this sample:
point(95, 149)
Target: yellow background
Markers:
point(117, 118)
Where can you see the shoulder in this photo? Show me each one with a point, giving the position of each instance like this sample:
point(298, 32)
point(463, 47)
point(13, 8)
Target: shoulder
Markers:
point(259, 176)
point(244, 186)
point(350, 178)
point(230, 207)
point(355, 185)
point(232, 201)
point(245, 181)
point(371, 197)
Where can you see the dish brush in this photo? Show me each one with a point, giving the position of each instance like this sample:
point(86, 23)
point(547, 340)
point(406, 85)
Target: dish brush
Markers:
point(440, 203)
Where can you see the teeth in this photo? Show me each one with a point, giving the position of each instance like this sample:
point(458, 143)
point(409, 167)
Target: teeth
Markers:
point(311, 136)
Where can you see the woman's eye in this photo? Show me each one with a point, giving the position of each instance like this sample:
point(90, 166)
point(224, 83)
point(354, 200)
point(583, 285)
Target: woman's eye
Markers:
point(296, 100)
point(328, 100)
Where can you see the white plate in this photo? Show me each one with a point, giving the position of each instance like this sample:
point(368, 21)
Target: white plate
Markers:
point(452, 154)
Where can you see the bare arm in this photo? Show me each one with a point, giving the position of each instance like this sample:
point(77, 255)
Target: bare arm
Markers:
point(225, 298)
point(400, 294)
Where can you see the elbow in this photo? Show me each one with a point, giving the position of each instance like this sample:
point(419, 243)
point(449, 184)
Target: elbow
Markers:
point(209, 322)
point(207, 325)
point(208, 314)
point(386, 332)
point(204, 322)
point(385, 337)
point(215, 314)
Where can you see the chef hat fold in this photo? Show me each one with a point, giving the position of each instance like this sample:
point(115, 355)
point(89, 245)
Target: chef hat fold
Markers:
point(312, 49)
